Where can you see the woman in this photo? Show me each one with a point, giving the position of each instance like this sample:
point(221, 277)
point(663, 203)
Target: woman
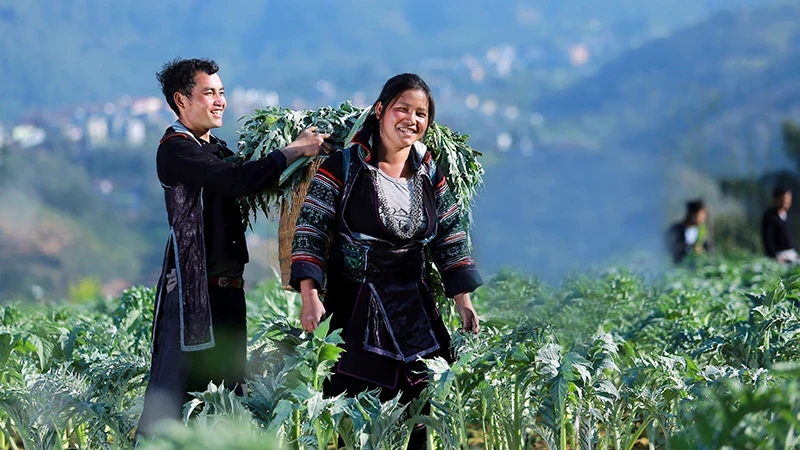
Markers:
point(372, 215)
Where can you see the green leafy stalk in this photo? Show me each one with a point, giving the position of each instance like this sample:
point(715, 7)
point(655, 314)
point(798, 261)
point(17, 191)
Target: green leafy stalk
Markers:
point(273, 128)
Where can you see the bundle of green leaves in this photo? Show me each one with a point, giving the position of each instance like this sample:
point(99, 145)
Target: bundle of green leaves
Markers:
point(274, 128)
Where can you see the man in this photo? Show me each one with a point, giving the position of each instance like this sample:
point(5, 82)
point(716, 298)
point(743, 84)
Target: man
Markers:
point(775, 229)
point(199, 330)
point(691, 235)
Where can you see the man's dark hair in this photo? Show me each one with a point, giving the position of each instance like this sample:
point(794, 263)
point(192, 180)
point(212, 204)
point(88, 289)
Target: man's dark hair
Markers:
point(178, 76)
point(779, 192)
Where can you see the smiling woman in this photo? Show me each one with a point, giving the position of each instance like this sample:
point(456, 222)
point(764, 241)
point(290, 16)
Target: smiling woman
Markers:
point(372, 215)
point(403, 121)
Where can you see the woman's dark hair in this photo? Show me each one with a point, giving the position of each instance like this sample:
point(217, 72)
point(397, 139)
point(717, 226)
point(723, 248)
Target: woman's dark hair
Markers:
point(178, 76)
point(779, 192)
point(694, 206)
point(393, 88)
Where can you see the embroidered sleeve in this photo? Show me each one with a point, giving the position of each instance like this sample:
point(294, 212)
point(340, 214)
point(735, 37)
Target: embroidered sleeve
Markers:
point(450, 247)
point(316, 223)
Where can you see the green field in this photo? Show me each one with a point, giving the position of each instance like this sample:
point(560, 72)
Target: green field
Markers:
point(698, 358)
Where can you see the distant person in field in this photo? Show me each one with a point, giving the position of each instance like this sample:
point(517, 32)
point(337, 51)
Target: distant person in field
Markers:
point(691, 235)
point(199, 331)
point(374, 213)
point(776, 233)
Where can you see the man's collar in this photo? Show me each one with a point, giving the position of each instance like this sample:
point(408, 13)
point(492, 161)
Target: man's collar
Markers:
point(179, 127)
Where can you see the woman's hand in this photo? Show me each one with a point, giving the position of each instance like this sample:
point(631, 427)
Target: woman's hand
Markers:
point(469, 318)
point(313, 311)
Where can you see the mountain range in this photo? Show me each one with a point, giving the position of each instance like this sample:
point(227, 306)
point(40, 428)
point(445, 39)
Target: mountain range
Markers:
point(658, 88)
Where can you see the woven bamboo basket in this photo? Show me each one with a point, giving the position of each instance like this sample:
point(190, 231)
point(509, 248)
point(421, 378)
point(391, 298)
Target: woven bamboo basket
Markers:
point(290, 210)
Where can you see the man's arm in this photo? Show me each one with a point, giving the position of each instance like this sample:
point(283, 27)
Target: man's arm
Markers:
point(181, 160)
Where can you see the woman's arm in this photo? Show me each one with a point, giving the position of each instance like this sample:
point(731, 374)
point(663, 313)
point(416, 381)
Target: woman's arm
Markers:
point(450, 248)
point(312, 311)
point(315, 226)
point(469, 318)
point(452, 254)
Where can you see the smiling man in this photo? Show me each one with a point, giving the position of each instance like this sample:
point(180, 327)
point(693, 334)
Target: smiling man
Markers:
point(199, 330)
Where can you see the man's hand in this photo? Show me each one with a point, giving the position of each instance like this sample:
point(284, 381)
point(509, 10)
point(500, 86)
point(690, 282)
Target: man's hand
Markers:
point(469, 318)
point(308, 143)
point(313, 311)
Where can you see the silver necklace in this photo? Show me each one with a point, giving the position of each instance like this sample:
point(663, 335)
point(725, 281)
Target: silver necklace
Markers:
point(413, 224)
